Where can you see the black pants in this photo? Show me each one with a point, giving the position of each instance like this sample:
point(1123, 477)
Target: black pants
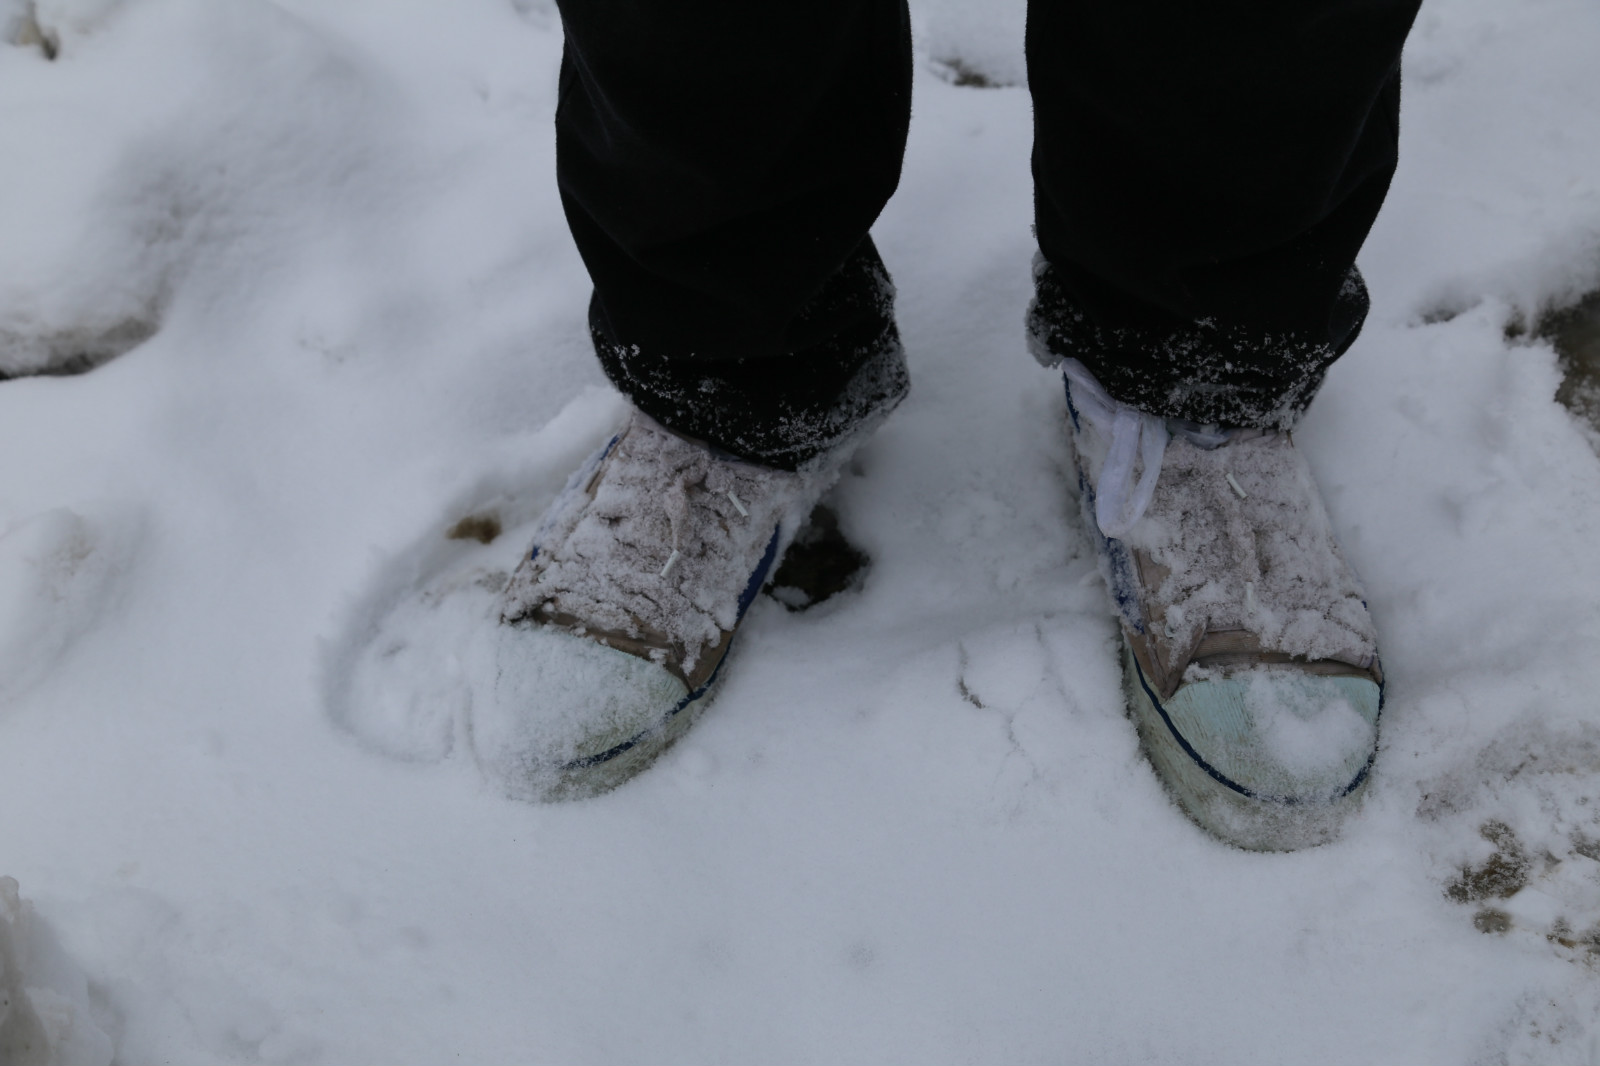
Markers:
point(1204, 176)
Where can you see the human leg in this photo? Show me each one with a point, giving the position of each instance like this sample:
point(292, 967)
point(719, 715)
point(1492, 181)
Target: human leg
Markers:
point(1204, 179)
point(1205, 175)
point(720, 164)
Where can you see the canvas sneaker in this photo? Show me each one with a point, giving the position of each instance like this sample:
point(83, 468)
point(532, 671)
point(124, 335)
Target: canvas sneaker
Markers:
point(616, 625)
point(1251, 659)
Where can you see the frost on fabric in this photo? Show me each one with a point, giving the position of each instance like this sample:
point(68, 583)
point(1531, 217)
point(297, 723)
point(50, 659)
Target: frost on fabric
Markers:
point(439, 665)
point(438, 671)
point(1240, 541)
point(850, 384)
point(1206, 371)
point(658, 547)
point(45, 1017)
point(1298, 735)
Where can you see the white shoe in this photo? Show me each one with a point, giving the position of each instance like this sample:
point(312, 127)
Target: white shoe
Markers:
point(1252, 661)
point(616, 626)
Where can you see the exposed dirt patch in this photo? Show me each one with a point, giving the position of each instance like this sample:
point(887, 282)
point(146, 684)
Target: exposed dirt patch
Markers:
point(1531, 795)
point(1500, 876)
point(1492, 921)
point(1574, 332)
point(820, 564)
point(483, 528)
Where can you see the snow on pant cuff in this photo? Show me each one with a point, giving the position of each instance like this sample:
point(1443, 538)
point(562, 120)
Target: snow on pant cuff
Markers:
point(783, 410)
point(1204, 371)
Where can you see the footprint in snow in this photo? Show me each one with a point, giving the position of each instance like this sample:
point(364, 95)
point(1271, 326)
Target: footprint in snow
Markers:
point(58, 574)
point(414, 660)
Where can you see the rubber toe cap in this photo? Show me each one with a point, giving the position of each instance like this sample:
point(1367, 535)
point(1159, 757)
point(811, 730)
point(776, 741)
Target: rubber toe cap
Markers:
point(562, 707)
point(1278, 733)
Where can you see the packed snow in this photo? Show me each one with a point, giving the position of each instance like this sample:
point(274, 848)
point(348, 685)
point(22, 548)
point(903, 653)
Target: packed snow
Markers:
point(45, 1013)
point(1305, 728)
point(314, 255)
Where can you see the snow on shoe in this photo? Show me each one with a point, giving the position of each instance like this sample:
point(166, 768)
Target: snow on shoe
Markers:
point(1252, 662)
point(617, 624)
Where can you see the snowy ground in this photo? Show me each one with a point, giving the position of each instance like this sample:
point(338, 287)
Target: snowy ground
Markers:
point(916, 825)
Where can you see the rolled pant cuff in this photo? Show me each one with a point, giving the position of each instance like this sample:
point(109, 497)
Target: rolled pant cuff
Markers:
point(788, 411)
point(1204, 371)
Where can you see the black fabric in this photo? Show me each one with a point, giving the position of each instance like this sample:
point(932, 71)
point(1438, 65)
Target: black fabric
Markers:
point(781, 412)
point(1205, 175)
point(1212, 371)
point(720, 162)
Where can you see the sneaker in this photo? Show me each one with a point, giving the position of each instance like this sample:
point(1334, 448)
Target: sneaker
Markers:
point(1251, 659)
point(616, 625)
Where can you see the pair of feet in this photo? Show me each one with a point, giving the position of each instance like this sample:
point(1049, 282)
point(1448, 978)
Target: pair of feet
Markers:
point(1251, 659)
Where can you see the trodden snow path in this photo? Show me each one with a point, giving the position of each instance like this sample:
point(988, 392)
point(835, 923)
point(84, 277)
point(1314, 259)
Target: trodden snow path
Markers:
point(318, 249)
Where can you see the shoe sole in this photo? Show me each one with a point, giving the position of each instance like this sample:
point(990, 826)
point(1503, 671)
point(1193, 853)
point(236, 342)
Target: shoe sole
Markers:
point(1226, 810)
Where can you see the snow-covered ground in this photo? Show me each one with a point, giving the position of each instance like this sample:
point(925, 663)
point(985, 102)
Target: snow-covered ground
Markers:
point(323, 236)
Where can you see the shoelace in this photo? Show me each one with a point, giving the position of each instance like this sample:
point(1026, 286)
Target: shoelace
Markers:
point(659, 545)
point(1119, 501)
point(676, 506)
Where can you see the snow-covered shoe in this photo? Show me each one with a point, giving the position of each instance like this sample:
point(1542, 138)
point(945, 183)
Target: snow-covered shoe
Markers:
point(616, 625)
point(1252, 662)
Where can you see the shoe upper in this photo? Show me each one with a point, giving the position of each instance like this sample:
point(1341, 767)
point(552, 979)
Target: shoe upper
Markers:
point(616, 623)
point(1238, 563)
point(656, 547)
point(1252, 660)
point(1232, 561)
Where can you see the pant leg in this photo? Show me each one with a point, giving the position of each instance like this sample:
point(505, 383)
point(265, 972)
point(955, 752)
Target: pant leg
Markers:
point(720, 163)
point(1204, 177)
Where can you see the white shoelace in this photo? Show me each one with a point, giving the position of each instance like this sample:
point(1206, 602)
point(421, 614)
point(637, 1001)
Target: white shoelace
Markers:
point(1119, 501)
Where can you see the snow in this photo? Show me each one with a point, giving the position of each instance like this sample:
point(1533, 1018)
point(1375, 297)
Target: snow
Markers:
point(1304, 728)
point(46, 1018)
point(58, 569)
point(317, 249)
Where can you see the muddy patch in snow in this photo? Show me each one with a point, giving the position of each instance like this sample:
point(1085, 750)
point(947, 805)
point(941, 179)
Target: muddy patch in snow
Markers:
point(1575, 333)
point(1527, 816)
point(820, 564)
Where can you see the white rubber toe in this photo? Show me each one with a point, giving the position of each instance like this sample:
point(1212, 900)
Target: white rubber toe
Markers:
point(1270, 759)
point(571, 717)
